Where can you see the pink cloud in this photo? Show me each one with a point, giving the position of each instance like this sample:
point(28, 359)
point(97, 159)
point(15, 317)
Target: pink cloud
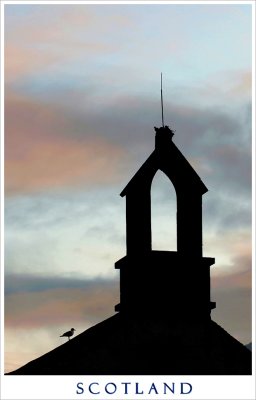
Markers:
point(42, 152)
point(35, 44)
point(229, 86)
point(241, 83)
point(238, 275)
point(21, 61)
point(14, 360)
point(34, 320)
point(59, 306)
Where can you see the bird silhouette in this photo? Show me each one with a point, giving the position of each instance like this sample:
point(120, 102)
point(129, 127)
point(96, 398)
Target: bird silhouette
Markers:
point(68, 334)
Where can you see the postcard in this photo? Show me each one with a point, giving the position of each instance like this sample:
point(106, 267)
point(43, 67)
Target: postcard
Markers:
point(127, 200)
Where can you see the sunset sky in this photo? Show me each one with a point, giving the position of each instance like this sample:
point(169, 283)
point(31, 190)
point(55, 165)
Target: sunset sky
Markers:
point(82, 97)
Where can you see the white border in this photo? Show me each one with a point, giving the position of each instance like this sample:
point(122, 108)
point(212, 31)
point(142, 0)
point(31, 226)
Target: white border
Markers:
point(60, 387)
point(65, 387)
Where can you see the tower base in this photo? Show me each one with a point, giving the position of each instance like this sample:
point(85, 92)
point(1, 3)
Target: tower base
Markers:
point(165, 284)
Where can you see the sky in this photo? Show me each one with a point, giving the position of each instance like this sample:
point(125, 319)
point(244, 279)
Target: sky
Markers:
point(82, 97)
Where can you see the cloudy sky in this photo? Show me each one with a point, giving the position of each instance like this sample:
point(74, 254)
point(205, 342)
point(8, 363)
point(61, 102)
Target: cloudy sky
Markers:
point(81, 99)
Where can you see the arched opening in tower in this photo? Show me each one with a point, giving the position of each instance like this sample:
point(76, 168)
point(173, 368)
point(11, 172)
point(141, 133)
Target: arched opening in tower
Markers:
point(163, 213)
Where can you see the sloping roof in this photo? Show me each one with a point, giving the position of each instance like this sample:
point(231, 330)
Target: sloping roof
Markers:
point(119, 346)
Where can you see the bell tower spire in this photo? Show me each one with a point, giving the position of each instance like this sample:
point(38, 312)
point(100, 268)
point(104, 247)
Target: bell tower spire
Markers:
point(179, 280)
point(162, 103)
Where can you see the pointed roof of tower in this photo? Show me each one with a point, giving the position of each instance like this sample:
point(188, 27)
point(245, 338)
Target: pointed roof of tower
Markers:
point(167, 158)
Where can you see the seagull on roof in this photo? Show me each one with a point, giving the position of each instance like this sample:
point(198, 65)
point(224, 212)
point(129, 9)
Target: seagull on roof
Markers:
point(68, 334)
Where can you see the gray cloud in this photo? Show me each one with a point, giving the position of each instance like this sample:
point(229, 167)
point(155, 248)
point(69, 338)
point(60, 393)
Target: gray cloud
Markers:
point(226, 212)
point(216, 141)
point(219, 138)
point(16, 283)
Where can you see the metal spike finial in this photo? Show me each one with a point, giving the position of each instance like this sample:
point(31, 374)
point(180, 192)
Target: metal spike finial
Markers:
point(162, 105)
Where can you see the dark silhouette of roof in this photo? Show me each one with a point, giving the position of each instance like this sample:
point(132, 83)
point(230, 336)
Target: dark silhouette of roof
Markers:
point(119, 346)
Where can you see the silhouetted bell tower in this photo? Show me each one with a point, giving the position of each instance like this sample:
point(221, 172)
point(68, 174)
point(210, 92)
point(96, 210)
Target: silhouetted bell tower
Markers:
point(165, 303)
point(165, 284)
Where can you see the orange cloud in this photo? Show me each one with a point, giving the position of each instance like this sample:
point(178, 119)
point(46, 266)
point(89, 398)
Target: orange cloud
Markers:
point(14, 361)
point(59, 306)
point(41, 150)
point(238, 274)
point(242, 84)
